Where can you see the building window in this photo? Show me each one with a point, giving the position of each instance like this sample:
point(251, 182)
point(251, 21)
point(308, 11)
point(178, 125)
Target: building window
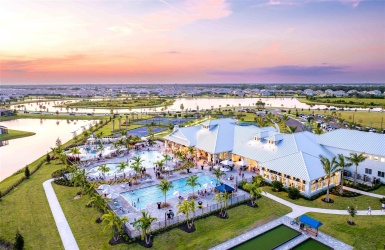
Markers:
point(375, 158)
point(381, 174)
point(382, 159)
point(368, 171)
point(369, 157)
point(313, 187)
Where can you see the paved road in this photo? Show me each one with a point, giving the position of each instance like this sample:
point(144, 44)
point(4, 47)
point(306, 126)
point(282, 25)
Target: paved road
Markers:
point(293, 122)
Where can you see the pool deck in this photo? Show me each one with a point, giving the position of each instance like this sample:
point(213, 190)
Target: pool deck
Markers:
point(324, 238)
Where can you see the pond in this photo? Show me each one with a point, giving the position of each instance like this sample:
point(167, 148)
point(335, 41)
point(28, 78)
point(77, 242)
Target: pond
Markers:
point(20, 152)
point(188, 103)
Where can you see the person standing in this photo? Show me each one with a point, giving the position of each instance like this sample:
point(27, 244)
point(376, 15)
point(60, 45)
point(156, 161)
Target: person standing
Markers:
point(369, 211)
point(383, 207)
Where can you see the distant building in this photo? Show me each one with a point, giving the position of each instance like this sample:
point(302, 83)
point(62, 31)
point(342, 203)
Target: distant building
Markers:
point(6, 112)
point(3, 130)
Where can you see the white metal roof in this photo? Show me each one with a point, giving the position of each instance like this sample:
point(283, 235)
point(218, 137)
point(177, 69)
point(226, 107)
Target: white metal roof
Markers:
point(353, 140)
point(300, 165)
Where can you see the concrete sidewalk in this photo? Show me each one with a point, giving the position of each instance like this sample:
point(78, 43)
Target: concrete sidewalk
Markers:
point(63, 227)
point(363, 192)
point(300, 210)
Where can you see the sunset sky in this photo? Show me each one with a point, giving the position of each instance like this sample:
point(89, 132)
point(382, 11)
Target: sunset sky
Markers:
point(192, 41)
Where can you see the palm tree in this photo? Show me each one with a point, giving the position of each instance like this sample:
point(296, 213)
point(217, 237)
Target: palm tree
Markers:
point(144, 224)
point(89, 188)
point(342, 165)
point(114, 222)
point(356, 159)
point(75, 151)
point(218, 174)
point(79, 178)
point(226, 197)
point(329, 167)
point(99, 203)
point(192, 181)
point(180, 155)
point(186, 207)
point(100, 147)
point(104, 169)
point(254, 189)
point(58, 152)
point(292, 129)
point(127, 141)
point(122, 166)
point(137, 166)
point(318, 131)
point(164, 186)
point(219, 198)
point(160, 163)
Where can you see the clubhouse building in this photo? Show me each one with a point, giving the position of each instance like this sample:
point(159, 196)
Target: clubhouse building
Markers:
point(292, 159)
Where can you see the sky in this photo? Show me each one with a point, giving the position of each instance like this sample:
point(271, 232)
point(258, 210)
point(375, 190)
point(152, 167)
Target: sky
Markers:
point(192, 41)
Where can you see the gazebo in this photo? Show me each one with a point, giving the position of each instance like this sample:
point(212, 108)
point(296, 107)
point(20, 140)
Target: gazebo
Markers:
point(305, 220)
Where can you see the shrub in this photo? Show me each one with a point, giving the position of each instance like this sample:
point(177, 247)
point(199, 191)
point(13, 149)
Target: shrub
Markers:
point(26, 172)
point(382, 200)
point(48, 158)
point(277, 186)
point(293, 193)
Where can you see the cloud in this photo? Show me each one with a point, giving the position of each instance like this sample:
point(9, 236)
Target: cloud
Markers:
point(173, 52)
point(352, 3)
point(285, 70)
point(24, 65)
point(121, 29)
point(277, 2)
point(185, 13)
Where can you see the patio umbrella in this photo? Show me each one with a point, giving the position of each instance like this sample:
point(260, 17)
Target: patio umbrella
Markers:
point(216, 167)
point(168, 168)
point(113, 196)
point(104, 186)
point(205, 185)
point(176, 193)
point(242, 163)
point(227, 162)
point(106, 191)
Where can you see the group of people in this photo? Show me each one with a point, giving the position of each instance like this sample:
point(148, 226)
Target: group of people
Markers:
point(170, 214)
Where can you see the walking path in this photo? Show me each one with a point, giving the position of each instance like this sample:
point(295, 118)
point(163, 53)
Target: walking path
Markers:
point(300, 210)
point(363, 192)
point(64, 229)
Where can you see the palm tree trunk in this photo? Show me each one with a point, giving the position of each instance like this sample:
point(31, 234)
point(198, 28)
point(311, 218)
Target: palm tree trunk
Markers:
point(342, 182)
point(355, 176)
point(327, 191)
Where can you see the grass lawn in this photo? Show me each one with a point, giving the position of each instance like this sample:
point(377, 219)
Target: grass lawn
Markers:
point(136, 102)
point(380, 190)
point(210, 231)
point(26, 208)
point(362, 201)
point(367, 234)
point(14, 134)
point(346, 101)
point(365, 119)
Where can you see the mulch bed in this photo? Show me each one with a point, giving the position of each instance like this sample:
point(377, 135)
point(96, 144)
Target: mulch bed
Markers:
point(119, 240)
point(330, 200)
point(351, 223)
point(98, 220)
point(249, 204)
point(219, 215)
point(184, 228)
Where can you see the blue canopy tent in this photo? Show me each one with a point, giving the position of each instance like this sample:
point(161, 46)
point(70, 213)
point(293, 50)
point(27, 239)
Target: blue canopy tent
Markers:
point(222, 188)
point(310, 222)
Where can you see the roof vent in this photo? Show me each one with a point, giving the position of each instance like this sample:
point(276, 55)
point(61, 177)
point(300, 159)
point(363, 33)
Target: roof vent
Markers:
point(261, 135)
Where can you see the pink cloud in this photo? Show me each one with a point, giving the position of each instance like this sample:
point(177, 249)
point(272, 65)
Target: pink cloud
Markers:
point(177, 16)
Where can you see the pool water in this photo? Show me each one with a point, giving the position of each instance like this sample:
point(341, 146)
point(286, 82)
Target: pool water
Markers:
point(150, 195)
point(112, 167)
point(311, 244)
point(270, 239)
point(149, 158)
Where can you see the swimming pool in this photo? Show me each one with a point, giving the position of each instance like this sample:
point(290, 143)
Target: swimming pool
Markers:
point(113, 169)
point(150, 195)
point(149, 158)
point(270, 239)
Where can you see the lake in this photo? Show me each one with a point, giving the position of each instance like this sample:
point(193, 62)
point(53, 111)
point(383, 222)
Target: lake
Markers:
point(23, 151)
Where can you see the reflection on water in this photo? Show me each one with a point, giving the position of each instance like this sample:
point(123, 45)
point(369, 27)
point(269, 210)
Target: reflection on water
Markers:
point(4, 143)
point(23, 151)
